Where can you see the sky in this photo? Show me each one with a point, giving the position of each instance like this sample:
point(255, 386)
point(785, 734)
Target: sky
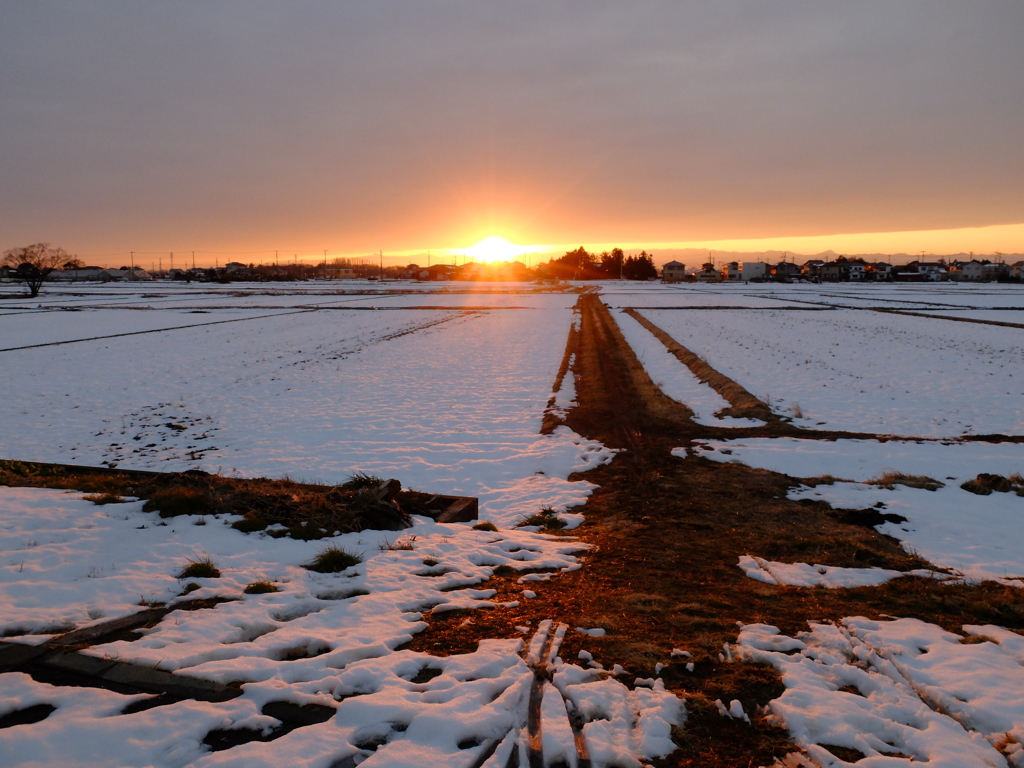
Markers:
point(241, 128)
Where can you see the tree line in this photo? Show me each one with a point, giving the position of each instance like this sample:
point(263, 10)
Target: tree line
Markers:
point(580, 264)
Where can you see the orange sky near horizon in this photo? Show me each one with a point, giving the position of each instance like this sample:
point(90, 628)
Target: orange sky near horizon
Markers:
point(984, 242)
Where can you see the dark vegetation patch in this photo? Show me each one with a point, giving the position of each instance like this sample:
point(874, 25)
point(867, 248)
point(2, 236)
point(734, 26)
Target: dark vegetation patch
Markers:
point(333, 559)
point(100, 499)
point(260, 588)
point(986, 483)
point(546, 518)
point(200, 569)
point(300, 510)
point(890, 480)
point(291, 715)
point(27, 716)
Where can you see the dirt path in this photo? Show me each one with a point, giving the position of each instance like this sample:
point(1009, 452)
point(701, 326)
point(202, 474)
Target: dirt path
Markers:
point(667, 533)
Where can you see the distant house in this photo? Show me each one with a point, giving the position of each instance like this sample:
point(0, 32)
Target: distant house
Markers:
point(785, 271)
point(708, 274)
point(1017, 270)
point(753, 270)
point(125, 274)
point(436, 272)
point(339, 273)
point(731, 271)
point(834, 272)
point(812, 269)
point(996, 270)
point(972, 271)
point(880, 270)
point(922, 272)
point(72, 273)
point(673, 272)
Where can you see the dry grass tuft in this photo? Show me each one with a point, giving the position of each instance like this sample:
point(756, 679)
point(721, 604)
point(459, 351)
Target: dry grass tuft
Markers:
point(200, 569)
point(105, 498)
point(333, 559)
point(986, 483)
point(172, 502)
point(890, 480)
point(261, 588)
point(546, 518)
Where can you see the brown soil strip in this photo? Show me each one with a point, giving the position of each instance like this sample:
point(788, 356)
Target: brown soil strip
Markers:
point(744, 404)
point(736, 309)
point(308, 510)
point(1001, 323)
point(666, 535)
point(551, 421)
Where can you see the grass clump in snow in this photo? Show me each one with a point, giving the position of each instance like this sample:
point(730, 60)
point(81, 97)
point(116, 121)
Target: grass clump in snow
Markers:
point(891, 479)
point(822, 480)
point(99, 499)
point(402, 545)
point(333, 559)
point(486, 525)
point(360, 480)
point(250, 524)
point(180, 500)
point(986, 483)
point(261, 588)
point(200, 569)
point(546, 518)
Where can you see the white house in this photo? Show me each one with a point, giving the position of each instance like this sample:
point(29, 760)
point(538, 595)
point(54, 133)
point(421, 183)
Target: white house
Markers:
point(754, 270)
point(673, 272)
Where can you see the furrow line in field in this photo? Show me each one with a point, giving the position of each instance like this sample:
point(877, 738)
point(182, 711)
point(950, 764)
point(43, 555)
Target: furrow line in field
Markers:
point(744, 404)
point(155, 330)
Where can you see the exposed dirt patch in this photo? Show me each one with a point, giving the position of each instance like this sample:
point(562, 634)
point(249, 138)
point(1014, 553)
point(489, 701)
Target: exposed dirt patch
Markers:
point(307, 511)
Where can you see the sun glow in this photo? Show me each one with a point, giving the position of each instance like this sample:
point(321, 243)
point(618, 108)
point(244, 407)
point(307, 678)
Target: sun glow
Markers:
point(496, 248)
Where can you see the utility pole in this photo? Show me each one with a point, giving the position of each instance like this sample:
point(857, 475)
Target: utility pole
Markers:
point(172, 261)
point(193, 261)
point(131, 272)
point(382, 265)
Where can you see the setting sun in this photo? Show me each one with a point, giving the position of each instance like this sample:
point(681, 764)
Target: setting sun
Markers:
point(496, 248)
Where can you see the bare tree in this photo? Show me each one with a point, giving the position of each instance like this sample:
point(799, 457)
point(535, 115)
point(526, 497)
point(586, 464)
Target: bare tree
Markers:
point(34, 264)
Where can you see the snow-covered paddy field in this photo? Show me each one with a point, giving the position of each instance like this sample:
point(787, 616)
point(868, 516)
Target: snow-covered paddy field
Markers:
point(445, 400)
point(446, 390)
point(865, 371)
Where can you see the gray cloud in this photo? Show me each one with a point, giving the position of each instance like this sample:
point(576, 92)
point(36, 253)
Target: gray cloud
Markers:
point(351, 125)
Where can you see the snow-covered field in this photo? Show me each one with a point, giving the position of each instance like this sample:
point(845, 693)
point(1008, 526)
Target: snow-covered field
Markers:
point(865, 371)
point(675, 379)
point(448, 401)
point(445, 388)
point(900, 692)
